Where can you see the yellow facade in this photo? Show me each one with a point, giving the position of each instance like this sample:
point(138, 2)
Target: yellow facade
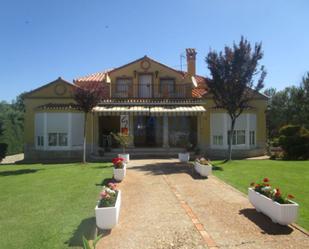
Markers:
point(60, 92)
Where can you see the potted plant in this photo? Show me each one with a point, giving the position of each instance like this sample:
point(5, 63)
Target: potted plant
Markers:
point(203, 166)
point(271, 202)
point(124, 140)
point(119, 168)
point(186, 145)
point(108, 207)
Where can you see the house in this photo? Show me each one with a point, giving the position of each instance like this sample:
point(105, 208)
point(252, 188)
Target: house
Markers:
point(159, 106)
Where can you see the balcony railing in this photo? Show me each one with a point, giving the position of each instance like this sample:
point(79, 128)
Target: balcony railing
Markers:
point(174, 91)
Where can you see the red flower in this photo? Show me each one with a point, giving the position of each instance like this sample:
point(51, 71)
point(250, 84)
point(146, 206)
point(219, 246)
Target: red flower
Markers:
point(266, 180)
point(291, 196)
point(117, 159)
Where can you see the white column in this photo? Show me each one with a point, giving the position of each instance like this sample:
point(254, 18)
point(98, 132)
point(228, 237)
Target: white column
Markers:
point(131, 130)
point(165, 132)
point(247, 130)
point(226, 118)
point(45, 132)
point(70, 130)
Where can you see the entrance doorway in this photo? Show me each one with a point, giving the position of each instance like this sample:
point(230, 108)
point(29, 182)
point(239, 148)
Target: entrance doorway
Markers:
point(147, 131)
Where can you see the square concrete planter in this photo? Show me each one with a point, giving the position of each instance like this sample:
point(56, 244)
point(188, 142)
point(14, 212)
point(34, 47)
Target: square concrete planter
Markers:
point(184, 157)
point(107, 217)
point(203, 170)
point(284, 214)
point(125, 156)
point(119, 174)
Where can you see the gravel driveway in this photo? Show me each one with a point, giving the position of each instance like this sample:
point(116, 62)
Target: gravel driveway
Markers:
point(166, 205)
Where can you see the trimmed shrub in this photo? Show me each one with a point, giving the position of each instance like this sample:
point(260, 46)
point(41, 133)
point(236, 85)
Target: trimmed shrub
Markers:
point(3, 150)
point(294, 140)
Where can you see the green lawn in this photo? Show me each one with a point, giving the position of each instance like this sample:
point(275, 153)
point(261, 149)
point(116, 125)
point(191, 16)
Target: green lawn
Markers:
point(290, 176)
point(49, 206)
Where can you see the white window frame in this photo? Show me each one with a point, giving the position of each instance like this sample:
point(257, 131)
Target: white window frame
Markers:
point(221, 125)
point(45, 136)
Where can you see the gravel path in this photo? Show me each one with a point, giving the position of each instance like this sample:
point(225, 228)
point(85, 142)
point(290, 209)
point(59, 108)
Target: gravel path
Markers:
point(153, 214)
point(12, 159)
point(150, 217)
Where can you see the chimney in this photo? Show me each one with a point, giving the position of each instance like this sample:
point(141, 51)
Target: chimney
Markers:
point(191, 55)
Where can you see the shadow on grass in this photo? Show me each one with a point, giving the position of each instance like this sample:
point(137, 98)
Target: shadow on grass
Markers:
point(169, 169)
point(102, 167)
point(218, 168)
point(18, 172)
point(106, 181)
point(265, 223)
point(88, 229)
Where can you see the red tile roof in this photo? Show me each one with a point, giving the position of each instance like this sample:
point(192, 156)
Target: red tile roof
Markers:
point(95, 78)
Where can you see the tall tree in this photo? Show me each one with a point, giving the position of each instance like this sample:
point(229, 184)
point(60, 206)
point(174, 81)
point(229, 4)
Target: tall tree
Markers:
point(87, 97)
point(236, 77)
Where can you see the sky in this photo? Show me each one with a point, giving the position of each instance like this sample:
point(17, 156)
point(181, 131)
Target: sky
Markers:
point(41, 40)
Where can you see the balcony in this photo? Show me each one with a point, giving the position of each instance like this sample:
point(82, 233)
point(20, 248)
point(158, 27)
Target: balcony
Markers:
point(146, 91)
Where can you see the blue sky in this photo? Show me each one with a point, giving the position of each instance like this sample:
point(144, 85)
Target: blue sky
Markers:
point(41, 40)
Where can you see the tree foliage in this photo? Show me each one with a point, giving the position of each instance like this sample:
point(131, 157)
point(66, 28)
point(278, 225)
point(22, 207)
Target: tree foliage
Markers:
point(289, 106)
point(236, 77)
point(87, 97)
point(294, 140)
point(12, 125)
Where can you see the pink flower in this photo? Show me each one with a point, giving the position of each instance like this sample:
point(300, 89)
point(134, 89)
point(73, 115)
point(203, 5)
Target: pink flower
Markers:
point(103, 194)
point(112, 186)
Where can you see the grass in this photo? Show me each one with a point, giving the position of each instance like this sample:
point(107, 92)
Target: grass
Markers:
point(49, 206)
point(292, 177)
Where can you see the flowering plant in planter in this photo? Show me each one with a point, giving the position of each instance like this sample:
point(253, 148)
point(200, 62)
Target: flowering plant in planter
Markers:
point(267, 190)
point(108, 207)
point(203, 161)
point(271, 202)
point(118, 162)
point(108, 196)
point(203, 166)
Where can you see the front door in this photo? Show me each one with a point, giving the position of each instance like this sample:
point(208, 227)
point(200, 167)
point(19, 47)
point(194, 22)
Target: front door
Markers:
point(147, 131)
point(145, 86)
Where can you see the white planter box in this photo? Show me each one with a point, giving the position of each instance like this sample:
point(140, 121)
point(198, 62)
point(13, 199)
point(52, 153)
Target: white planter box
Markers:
point(184, 157)
point(119, 174)
point(203, 170)
point(107, 217)
point(284, 214)
point(126, 157)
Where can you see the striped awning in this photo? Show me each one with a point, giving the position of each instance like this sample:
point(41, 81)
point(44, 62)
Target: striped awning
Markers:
point(151, 110)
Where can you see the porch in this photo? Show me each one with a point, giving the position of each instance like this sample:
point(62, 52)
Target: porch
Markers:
point(156, 131)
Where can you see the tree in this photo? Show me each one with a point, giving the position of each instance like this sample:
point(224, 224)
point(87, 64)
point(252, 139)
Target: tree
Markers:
point(236, 77)
point(288, 106)
point(87, 97)
point(294, 140)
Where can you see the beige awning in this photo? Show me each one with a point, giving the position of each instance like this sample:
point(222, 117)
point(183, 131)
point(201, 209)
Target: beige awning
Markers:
point(150, 110)
point(118, 110)
point(177, 110)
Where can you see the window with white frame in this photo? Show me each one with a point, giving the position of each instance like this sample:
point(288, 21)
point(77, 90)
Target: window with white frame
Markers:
point(59, 130)
point(40, 141)
point(238, 137)
point(58, 139)
point(252, 138)
point(218, 140)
